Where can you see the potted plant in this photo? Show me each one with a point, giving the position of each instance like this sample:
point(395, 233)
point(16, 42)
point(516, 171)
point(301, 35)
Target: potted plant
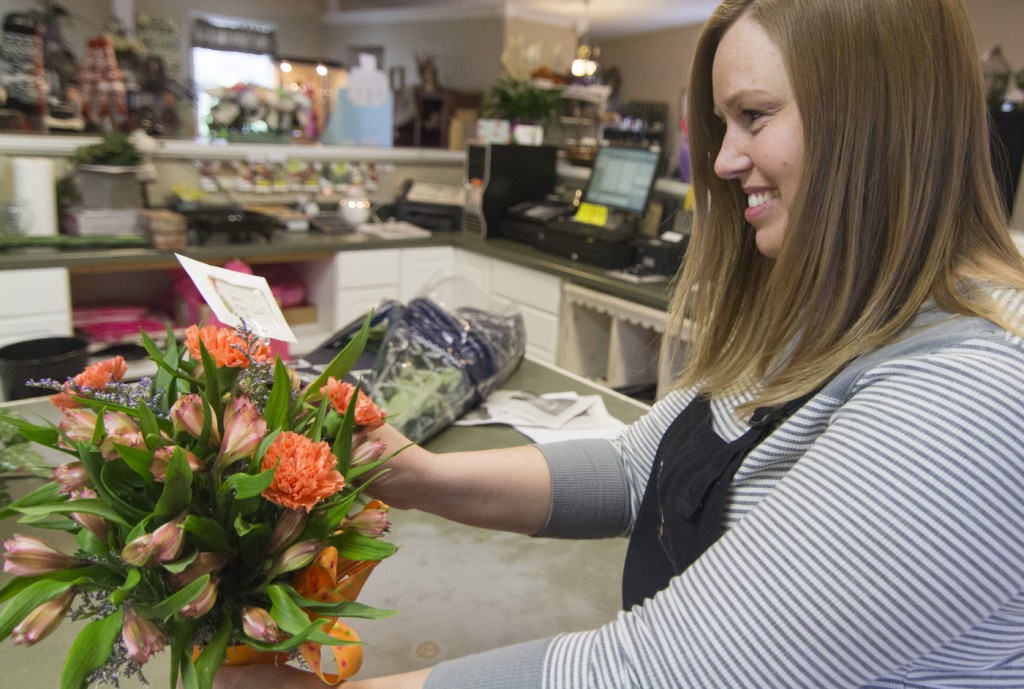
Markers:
point(527, 107)
point(108, 173)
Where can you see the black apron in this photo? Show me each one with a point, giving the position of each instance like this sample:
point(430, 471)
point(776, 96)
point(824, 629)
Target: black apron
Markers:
point(683, 506)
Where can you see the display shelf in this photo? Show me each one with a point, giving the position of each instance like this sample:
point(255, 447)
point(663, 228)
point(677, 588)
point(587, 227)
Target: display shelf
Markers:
point(613, 341)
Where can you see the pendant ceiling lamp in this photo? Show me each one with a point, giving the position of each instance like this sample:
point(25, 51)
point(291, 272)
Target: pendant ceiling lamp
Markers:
point(585, 63)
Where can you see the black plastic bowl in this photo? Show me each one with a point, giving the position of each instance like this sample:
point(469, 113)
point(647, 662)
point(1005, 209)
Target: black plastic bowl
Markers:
point(46, 357)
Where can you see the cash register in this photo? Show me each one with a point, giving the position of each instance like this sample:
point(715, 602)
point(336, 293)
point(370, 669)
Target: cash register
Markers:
point(602, 228)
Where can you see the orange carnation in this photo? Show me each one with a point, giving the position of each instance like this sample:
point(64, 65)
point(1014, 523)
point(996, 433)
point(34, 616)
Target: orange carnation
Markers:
point(224, 345)
point(368, 415)
point(96, 377)
point(307, 472)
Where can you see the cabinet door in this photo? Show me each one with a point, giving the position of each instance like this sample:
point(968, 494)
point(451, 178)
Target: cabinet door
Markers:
point(358, 269)
point(34, 303)
point(475, 270)
point(422, 268)
point(537, 296)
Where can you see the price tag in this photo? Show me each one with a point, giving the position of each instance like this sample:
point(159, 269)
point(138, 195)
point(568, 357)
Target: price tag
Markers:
point(234, 297)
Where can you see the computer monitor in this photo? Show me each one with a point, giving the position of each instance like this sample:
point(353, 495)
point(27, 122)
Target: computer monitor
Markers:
point(622, 178)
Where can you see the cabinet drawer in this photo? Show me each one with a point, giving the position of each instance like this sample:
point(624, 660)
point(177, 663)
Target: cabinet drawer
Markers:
point(366, 268)
point(356, 303)
point(34, 291)
point(541, 327)
point(526, 286)
point(31, 327)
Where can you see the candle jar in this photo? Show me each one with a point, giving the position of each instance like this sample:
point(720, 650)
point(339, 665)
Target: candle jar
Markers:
point(354, 207)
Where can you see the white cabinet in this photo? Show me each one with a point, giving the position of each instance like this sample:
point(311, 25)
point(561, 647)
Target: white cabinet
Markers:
point(535, 294)
point(363, 279)
point(34, 303)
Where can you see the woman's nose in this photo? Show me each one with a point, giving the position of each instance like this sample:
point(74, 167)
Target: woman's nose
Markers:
point(732, 158)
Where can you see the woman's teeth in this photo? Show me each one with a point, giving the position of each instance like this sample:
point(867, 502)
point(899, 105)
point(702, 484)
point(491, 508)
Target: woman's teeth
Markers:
point(755, 200)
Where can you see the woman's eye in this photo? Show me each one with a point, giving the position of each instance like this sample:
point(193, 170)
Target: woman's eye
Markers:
point(752, 116)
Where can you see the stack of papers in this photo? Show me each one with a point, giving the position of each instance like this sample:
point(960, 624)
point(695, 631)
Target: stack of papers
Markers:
point(397, 229)
point(546, 418)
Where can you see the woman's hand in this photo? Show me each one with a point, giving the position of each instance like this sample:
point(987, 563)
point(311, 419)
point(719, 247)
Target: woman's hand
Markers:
point(399, 485)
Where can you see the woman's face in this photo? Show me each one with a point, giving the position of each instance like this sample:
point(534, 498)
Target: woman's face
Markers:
point(763, 148)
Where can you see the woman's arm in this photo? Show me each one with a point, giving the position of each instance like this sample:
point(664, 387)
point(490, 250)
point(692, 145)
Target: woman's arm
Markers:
point(507, 489)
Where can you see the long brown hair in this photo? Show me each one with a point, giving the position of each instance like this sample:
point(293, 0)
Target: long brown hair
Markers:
point(897, 204)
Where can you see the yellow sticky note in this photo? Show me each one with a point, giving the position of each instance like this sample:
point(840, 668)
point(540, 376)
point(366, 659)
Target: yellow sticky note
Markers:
point(592, 214)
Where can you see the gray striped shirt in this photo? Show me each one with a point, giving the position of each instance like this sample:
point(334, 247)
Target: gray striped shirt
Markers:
point(875, 539)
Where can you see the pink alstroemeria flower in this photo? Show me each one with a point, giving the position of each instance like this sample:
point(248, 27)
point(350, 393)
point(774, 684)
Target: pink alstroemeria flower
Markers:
point(162, 459)
point(295, 557)
point(71, 477)
point(369, 451)
point(139, 551)
point(44, 619)
point(187, 415)
point(204, 603)
point(258, 624)
point(371, 522)
point(78, 425)
point(27, 556)
point(289, 525)
point(205, 562)
point(244, 428)
point(141, 637)
point(93, 522)
point(121, 429)
point(168, 539)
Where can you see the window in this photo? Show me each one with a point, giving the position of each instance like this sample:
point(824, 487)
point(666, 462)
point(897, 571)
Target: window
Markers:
point(226, 53)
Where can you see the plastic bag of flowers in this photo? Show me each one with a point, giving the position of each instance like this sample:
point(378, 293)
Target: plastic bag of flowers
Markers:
point(432, 360)
point(215, 507)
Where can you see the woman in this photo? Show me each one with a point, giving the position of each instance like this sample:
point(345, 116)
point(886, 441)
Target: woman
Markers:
point(834, 495)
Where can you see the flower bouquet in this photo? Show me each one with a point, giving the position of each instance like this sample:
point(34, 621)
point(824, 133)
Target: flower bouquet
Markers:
point(215, 509)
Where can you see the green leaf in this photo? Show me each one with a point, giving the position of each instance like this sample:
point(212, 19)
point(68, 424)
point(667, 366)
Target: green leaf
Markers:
point(341, 609)
point(89, 543)
point(149, 425)
point(90, 650)
point(76, 575)
point(138, 460)
point(182, 634)
point(292, 619)
point(343, 442)
point(116, 483)
point(213, 391)
point(130, 582)
point(342, 363)
point(248, 486)
point(44, 435)
point(208, 533)
point(276, 411)
point(177, 493)
point(355, 546)
point(44, 494)
point(182, 563)
point(213, 655)
point(28, 599)
point(176, 601)
point(87, 505)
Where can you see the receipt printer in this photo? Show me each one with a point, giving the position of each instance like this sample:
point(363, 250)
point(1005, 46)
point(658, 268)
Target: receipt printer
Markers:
point(663, 255)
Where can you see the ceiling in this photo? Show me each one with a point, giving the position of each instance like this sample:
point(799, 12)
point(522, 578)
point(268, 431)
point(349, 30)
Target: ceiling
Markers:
point(607, 18)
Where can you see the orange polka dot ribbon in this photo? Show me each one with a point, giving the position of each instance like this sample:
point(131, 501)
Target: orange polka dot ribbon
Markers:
point(331, 579)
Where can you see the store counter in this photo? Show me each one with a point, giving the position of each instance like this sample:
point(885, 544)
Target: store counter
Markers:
point(458, 590)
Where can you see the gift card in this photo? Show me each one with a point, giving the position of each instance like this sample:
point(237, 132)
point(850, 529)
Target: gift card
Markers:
point(234, 297)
